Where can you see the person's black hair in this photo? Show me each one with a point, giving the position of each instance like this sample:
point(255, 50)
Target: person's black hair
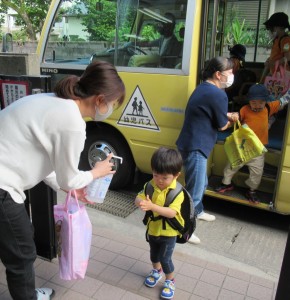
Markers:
point(166, 161)
point(218, 63)
point(238, 51)
point(166, 28)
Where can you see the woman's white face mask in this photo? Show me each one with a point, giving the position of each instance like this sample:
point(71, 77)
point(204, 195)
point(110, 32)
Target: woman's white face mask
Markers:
point(102, 116)
point(229, 82)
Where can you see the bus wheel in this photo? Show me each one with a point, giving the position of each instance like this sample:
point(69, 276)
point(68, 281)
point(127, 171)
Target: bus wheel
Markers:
point(99, 143)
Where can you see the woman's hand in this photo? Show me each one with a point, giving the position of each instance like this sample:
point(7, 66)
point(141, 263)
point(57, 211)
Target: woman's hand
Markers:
point(103, 168)
point(233, 117)
point(81, 194)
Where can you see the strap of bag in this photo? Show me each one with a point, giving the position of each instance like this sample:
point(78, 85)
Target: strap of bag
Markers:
point(148, 190)
point(282, 71)
point(276, 69)
point(69, 199)
point(171, 195)
point(237, 125)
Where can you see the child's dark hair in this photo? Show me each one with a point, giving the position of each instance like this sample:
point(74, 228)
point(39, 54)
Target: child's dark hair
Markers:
point(166, 161)
point(216, 64)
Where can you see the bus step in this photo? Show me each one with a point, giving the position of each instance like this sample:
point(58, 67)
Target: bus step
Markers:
point(238, 192)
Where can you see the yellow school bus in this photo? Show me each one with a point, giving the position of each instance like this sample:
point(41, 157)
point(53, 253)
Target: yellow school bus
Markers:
point(160, 71)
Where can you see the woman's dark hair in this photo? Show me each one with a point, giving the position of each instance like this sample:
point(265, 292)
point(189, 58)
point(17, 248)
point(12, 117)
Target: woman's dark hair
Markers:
point(99, 78)
point(166, 161)
point(216, 64)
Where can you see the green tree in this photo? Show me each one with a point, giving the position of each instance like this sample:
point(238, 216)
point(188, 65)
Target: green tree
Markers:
point(30, 14)
point(100, 22)
point(149, 33)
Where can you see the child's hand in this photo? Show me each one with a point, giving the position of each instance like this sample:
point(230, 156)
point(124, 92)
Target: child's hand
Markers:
point(146, 204)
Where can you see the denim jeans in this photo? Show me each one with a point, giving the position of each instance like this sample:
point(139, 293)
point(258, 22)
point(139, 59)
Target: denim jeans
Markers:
point(195, 167)
point(17, 248)
point(161, 250)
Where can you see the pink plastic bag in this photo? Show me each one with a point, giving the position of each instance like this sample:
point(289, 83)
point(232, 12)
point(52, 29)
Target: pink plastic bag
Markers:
point(278, 83)
point(74, 235)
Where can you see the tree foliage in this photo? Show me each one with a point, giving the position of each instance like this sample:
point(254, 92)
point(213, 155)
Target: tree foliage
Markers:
point(30, 15)
point(100, 22)
point(101, 25)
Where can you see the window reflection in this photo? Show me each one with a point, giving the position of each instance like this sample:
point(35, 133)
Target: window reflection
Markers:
point(126, 33)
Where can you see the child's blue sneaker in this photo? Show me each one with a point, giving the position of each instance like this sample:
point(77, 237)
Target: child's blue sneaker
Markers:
point(168, 289)
point(153, 278)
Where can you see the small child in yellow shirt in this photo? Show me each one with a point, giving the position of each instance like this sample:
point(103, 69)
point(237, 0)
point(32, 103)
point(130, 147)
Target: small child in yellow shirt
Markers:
point(166, 166)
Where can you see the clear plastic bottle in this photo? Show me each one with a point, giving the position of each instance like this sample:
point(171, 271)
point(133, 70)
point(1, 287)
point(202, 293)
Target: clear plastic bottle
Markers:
point(97, 189)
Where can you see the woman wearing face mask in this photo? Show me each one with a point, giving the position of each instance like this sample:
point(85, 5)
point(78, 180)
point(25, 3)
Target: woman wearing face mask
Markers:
point(205, 114)
point(42, 137)
point(278, 27)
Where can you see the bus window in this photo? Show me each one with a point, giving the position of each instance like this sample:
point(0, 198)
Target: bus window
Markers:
point(158, 37)
point(81, 29)
point(125, 33)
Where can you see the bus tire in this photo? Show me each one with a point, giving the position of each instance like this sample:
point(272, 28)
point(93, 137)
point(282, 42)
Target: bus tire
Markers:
point(102, 140)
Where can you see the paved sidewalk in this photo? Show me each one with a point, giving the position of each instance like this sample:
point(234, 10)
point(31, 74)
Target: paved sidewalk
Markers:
point(119, 262)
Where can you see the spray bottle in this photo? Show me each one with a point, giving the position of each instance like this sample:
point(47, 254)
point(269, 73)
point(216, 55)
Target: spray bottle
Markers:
point(97, 189)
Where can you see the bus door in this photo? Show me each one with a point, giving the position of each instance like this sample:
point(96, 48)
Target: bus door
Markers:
point(212, 31)
point(240, 27)
point(213, 24)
